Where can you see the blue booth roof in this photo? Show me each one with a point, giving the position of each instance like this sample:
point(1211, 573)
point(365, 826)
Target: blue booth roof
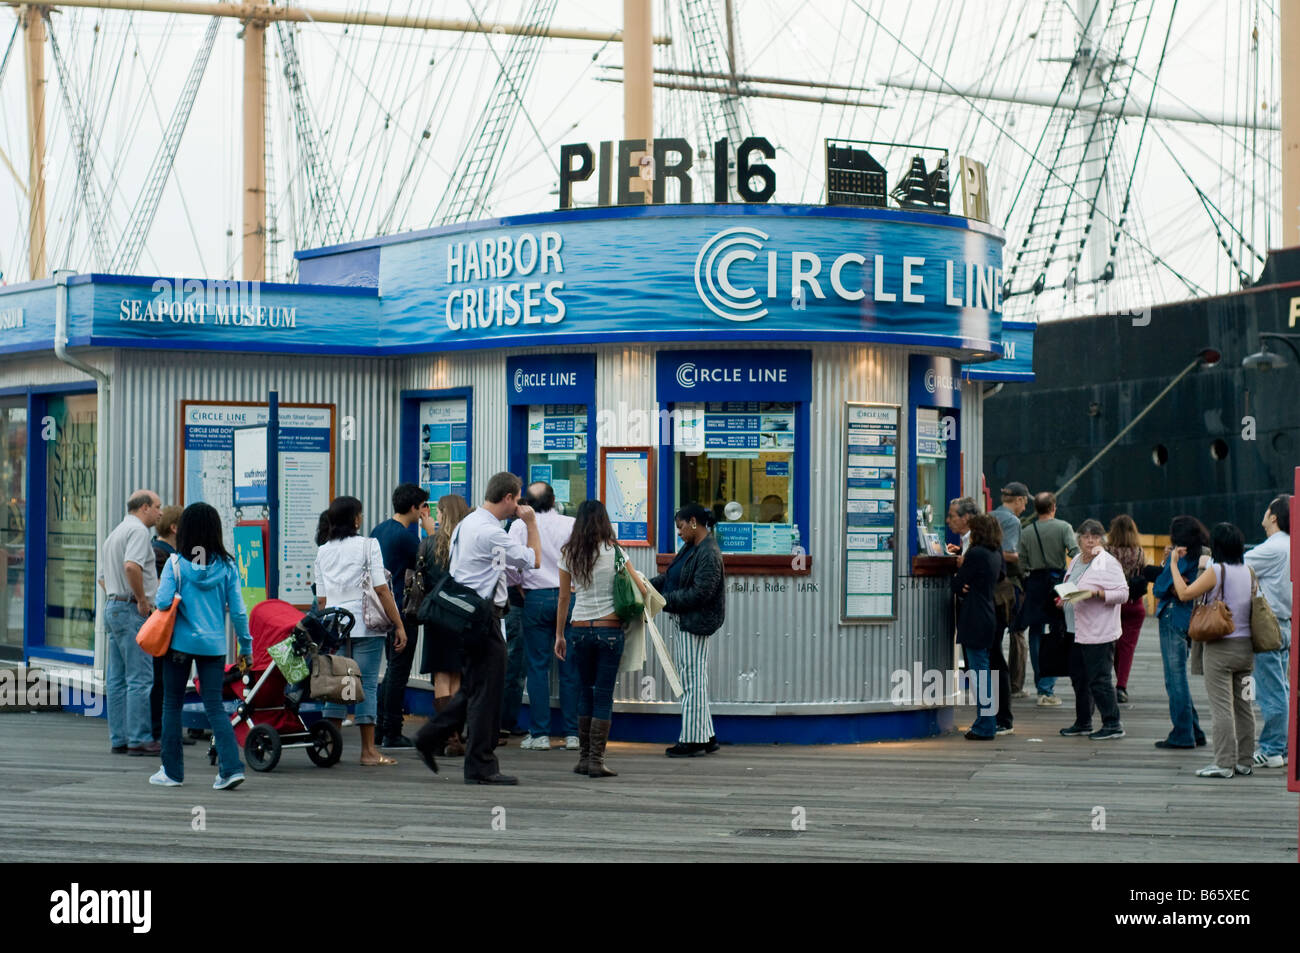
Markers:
point(699, 273)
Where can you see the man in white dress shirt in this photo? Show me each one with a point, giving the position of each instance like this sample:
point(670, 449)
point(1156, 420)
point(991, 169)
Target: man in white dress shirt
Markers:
point(541, 599)
point(481, 552)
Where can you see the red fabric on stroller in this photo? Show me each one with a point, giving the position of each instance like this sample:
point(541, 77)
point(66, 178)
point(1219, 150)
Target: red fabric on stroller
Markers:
point(271, 621)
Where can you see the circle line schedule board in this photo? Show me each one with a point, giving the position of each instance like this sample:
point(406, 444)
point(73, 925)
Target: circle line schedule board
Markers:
point(870, 524)
point(306, 484)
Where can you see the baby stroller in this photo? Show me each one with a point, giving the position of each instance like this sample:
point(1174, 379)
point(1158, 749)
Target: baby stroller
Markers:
point(268, 715)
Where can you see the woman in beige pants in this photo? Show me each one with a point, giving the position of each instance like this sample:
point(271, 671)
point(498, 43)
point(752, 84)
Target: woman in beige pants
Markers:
point(1228, 661)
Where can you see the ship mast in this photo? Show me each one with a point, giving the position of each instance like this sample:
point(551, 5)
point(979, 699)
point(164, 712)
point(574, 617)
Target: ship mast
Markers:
point(1289, 12)
point(638, 47)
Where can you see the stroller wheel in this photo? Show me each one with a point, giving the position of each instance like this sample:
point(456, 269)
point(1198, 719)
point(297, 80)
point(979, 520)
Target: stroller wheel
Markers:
point(326, 744)
point(262, 748)
point(212, 754)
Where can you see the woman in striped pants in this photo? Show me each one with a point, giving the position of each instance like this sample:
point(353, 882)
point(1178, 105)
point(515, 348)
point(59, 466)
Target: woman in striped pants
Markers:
point(694, 590)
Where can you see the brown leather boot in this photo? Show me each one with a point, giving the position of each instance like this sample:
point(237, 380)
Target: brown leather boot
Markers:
point(584, 741)
point(596, 759)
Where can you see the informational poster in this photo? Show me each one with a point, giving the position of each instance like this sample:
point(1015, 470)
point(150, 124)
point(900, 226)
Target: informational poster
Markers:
point(444, 442)
point(249, 476)
point(870, 527)
point(626, 491)
point(306, 484)
point(250, 558)
point(557, 428)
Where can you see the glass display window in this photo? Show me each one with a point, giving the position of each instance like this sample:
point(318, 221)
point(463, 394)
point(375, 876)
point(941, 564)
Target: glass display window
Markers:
point(557, 451)
point(70, 522)
point(738, 459)
point(13, 522)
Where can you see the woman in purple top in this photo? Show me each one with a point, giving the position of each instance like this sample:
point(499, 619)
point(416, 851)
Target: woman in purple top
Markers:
point(1228, 661)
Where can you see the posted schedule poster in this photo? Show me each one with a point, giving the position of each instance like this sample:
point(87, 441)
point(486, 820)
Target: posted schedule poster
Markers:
point(306, 460)
point(870, 511)
point(444, 442)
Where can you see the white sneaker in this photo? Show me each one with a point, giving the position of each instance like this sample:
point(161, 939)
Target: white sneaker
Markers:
point(572, 743)
point(160, 778)
point(1262, 760)
point(536, 743)
point(1214, 771)
point(226, 784)
point(1048, 701)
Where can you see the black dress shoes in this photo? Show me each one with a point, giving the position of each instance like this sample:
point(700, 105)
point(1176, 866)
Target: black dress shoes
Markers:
point(493, 779)
point(711, 745)
point(1167, 744)
point(686, 750)
point(426, 755)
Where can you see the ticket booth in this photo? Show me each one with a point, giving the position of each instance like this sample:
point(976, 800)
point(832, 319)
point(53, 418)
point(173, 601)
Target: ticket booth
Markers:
point(552, 400)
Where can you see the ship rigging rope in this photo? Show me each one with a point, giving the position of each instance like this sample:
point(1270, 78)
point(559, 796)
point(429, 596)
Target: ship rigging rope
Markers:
point(1191, 285)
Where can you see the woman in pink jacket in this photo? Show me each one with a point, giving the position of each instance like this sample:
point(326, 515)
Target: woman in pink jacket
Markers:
point(1095, 622)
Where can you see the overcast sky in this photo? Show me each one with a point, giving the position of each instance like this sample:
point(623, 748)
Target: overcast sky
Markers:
point(374, 92)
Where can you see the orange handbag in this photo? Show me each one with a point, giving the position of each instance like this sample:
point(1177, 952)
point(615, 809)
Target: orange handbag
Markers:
point(155, 636)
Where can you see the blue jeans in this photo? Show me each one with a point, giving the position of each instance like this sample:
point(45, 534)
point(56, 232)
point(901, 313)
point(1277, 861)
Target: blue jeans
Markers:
point(130, 678)
point(977, 664)
point(1182, 711)
point(1272, 674)
point(540, 606)
point(367, 652)
point(516, 669)
point(1045, 686)
point(595, 654)
point(211, 669)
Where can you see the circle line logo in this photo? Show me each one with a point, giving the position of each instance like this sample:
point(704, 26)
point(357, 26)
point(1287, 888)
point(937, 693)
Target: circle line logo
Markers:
point(712, 279)
point(686, 374)
point(929, 380)
point(519, 380)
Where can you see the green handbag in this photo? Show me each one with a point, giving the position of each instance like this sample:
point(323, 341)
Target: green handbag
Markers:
point(629, 604)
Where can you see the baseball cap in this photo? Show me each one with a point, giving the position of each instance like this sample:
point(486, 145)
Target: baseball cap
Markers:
point(1015, 489)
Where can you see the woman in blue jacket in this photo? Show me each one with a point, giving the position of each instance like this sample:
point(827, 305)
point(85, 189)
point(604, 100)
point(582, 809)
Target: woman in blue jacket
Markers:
point(208, 583)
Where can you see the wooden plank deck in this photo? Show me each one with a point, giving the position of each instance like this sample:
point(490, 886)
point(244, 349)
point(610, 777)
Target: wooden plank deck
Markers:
point(1029, 796)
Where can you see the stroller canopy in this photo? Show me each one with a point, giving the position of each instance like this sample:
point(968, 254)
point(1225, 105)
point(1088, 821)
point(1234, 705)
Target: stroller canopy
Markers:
point(270, 622)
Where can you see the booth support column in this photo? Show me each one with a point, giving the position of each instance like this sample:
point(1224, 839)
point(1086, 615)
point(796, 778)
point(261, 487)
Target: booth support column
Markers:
point(273, 495)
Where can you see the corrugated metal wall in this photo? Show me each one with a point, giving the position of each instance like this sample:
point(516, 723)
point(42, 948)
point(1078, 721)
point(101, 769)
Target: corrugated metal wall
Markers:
point(149, 386)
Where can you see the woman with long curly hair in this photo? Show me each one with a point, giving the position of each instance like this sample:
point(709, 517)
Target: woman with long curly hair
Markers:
point(442, 655)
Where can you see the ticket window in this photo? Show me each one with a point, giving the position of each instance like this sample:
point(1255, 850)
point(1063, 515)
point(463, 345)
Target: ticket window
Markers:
point(937, 477)
point(557, 451)
point(738, 458)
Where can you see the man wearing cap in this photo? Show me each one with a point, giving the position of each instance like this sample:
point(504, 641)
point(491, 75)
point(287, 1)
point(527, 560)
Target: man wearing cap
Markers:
point(129, 577)
point(1015, 497)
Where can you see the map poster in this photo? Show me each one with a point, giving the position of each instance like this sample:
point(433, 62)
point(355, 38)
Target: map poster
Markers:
point(306, 484)
point(870, 527)
point(627, 490)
